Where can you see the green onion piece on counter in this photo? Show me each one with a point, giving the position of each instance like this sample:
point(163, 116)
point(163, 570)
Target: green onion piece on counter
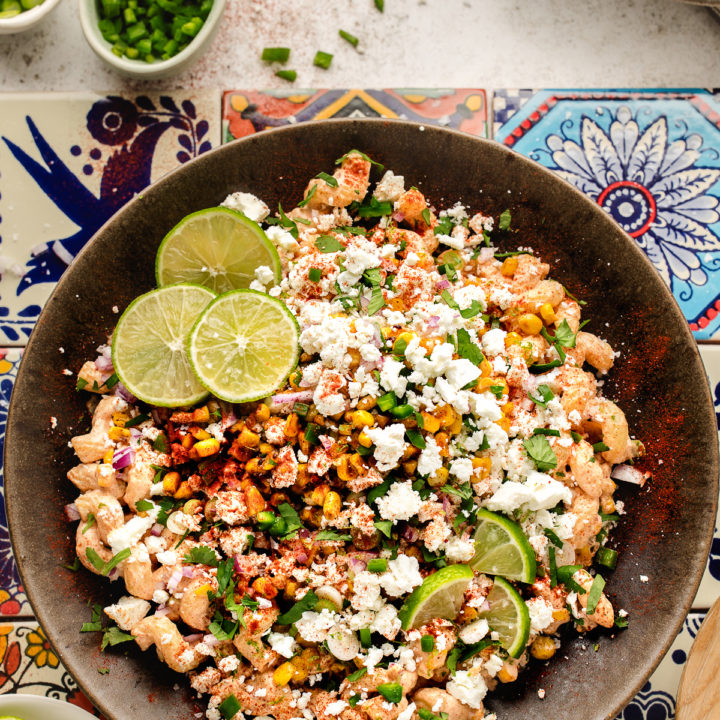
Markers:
point(322, 59)
point(347, 36)
point(607, 557)
point(289, 75)
point(275, 54)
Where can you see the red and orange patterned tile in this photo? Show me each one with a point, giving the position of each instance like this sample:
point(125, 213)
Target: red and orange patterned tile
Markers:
point(249, 111)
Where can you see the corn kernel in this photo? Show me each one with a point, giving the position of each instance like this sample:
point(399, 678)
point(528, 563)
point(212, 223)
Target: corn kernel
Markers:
point(118, 433)
point(205, 448)
point(292, 426)
point(248, 438)
point(442, 439)
point(187, 441)
point(543, 647)
point(265, 448)
point(183, 492)
point(318, 494)
point(483, 464)
point(171, 483)
point(192, 506)
point(290, 589)
point(512, 338)
point(547, 313)
point(294, 379)
point(201, 414)
point(283, 674)
point(357, 464)
point(607, 505)
point(108, 456)
point(509, 266)
point(430, 422)
point(365, 440)
point(366, 403)
point(446, 415)
point(508, 408)
point(562, 615)
point(252, 466)
point(237, 427)
point(344, 470)
point(410, 467)
point(268, 464)
point(262, 413)
point(120, 418)
point(530, 323)
point(457, 426)
point(429, 344)
point(484, 384)
point(362, 418)
point(485, 368)
point(203, 589)
point(200, 434)
point(264, 586)
point(332, 505)
point(583, 556)
point(254, 501)
point(397, 303)
point(508, 673)
point(504, 422)
point(439, 478)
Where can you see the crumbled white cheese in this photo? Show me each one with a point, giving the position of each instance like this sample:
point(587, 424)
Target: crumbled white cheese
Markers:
point(400, 502)
point(389, 445)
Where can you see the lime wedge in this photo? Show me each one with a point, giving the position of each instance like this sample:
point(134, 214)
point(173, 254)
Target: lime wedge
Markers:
point(440, 595)
point(218, 248)
point(501, 548)
point(244, 345)
point(508, 616)
point(149, 345)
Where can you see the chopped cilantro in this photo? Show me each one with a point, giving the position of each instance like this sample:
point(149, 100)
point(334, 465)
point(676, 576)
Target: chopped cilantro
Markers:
point(385, 527)
point(94, 625)
point(308, 197)
point(375, 208)
point(539, 450)
point(137, 420)
point(90, 522)
point(380, 5)
point(161, 443)
point(505, 220)
point(415, 437)
point(288, 513)
point(201, 555)
point(80, 384)
point(553, 538)
point(315, 274)
point(546, 431)
point(329, 179)
point(621, 622)
point(74, 567)
point(595, 593)
point(600, 447)
point(307, 602)
point(328, 244)
point(112, 381)
point(331, 535)
point(144, 505)
point(467, 348)
point(377, 301)
point(113, 635)
point(543, 397)
point(426, 216)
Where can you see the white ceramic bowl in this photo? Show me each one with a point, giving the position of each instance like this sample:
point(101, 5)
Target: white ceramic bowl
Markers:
point(28, 19)
point(36, 707)
point(139, 68)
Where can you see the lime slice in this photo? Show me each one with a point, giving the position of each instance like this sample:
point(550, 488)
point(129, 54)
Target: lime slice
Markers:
point(501, 548)
point(218, 248)
point(440, 595)
point(244, 345)
point(149, 345)
point(508, 616)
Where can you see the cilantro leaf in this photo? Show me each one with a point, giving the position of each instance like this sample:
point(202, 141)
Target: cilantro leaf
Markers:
point(113, 635)
point(467, 348)
point(539, 450)
point(331, 535)
point(307, 602)
point(288, 513)
point(594, 594)
point(224, 575)
point(328, 244)
point(564, 335)
point(375, 208)
point(377, 301)
point(94, 625)
point(356, 675)
point(202, 555)
point(505, 220)
point(385, 527)
point(80, 384)
point(545, 394)
point(329, 179)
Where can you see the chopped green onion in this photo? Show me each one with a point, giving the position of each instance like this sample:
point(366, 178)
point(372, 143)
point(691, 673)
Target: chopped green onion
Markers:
point(600, 447)
point(387, 401)
point(315, 274)
point(552, 537)
point(427, 643)
point(322, 59)
point(594, 594)
point(380, 5)
point(607, 557)
point(347, 36)
point(365, 637)
point(328, 179)
point(229, 707)
point(301, 409)
point(312, 432)
point(289, 75)
point(402, 411)
point(275, 54)
point(416, 438)
point(553, 567)
point(356, 676)
point(546, 431)
point(392, 692)
point(377, 565)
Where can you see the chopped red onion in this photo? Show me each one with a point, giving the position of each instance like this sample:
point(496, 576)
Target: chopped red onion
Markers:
point(156, 530)
point(433, 322)
point(236, 563)
point(398, 216)
point(627, 473)
point(159, 415)
point(485, 255)
point(174, 580)
point(410, 533)
point(304, 533)
point(122, 392)
point(123, 457)
point(283, 400)
point(447, 504)
point(356, 564)
point(104, 364)
point(163, 610)
point(326, 441)
point(71, 512)
point(210, 640)
point(302, 557)
point(443, 285)
point(188, 572)
point(364, 302)
point(194, 637)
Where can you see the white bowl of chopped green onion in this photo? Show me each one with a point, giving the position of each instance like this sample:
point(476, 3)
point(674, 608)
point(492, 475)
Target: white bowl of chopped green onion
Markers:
point(149, 38)
point(20, 15)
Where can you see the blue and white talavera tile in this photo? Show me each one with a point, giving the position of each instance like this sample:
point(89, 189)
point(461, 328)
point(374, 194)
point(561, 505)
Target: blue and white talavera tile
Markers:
point(651, 160)
point(67, 163)
point(13, 601)
point(656, 700)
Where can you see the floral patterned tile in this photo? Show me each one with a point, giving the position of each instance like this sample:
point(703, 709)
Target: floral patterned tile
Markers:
point(29, 665)
point(248, 111)
point(650, 159)
point(67, 163)
point(13, 601)
point(709, 589)
point(656, 700)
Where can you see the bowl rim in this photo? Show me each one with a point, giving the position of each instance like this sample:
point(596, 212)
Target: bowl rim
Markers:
point(139, 68)
point(48, 704)
point(26, 19)
point(671, 629)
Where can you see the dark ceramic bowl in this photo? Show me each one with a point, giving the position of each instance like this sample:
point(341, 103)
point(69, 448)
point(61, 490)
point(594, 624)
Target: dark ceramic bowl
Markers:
point(658, 380)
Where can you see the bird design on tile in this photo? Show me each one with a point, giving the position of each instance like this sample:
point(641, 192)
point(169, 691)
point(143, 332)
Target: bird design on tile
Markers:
point(131, 131)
